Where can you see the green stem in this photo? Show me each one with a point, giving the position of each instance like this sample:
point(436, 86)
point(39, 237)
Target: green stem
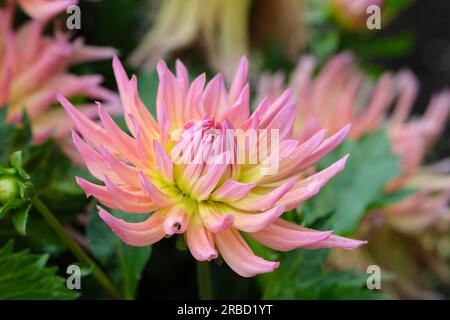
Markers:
point(205, 291)
point(98, 274)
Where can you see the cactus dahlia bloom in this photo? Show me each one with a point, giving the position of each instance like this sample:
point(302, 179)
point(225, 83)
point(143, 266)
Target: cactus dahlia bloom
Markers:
point(44, 9)
point(200, 194)
point(340, 94)
point(34, 66)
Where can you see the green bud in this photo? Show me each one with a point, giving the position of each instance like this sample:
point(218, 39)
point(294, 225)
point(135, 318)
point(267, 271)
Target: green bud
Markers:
point(16, 191)
point(9, 189)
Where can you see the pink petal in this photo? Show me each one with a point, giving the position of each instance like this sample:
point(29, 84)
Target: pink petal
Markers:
point(288, 165)
point(193, 108)
point(214, 97)
point(98, 192)
point(138, 234)
point(263, 202)
point(214, 220)
point(232, 191)
point(87, 128)
point(326, 147)
point(126, 173)
point(206, 183)
point(240, 110)
point(310, 186)
point(93, 160)
point(176, 221)
point(125, 143)
point(253, 222)
point(158, 198)
point(135, 202)
point(285, 236)
point(238, 255)
point(163, 161)
point(199, 241)
point(240, 80)
point(336, 242)
point(44, 9)
point(408, 88)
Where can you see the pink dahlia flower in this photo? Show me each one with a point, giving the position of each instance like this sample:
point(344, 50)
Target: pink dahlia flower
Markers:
point(34, 66)
point(44, 9)
point(341, 94)
point(207, 195)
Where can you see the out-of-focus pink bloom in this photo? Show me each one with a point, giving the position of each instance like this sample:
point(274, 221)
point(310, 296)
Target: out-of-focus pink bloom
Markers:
point(33, 67)
point(353, 14)
point(44, 9)
point(205, 195)
point(225, 29)
point(341, 94)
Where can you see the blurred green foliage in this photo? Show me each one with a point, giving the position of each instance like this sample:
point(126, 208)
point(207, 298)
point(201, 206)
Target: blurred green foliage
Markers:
point(25, 276)
point(123, 263)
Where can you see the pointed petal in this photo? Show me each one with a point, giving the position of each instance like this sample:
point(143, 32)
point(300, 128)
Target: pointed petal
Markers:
point(87, 128)
point(200, 242)
point(98, 192)
point(239, 81)
point(214, 220)
point(93, 160)
point(285, 236)
point(253, 222)
point(158, 198)
point(264, 201)
point(163, 161)
point(238, 255)
point(136, 234)
point(310, 186)
point(134, 202)
point(232, 191)
point(326, 147)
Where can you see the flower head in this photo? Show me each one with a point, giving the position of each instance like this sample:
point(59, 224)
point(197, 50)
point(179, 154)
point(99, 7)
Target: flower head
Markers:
point(341, 94)
point(34, 66)
point(185, 168)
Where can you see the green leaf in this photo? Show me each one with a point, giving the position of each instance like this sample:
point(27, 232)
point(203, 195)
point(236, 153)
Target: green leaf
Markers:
point(124, 263)
point(346, 198)
point(20, 219)
point(302, 275)
point(25, 276)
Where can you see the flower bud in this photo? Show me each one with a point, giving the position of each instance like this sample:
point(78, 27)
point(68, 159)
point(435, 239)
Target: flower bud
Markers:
point(9, 189)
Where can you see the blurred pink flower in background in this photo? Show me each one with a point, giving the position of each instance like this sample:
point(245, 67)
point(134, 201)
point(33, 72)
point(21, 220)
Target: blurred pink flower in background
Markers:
point(44, 9)
point(33, 67)
point(211, 202)
point(341, 94)
point(406, 233)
